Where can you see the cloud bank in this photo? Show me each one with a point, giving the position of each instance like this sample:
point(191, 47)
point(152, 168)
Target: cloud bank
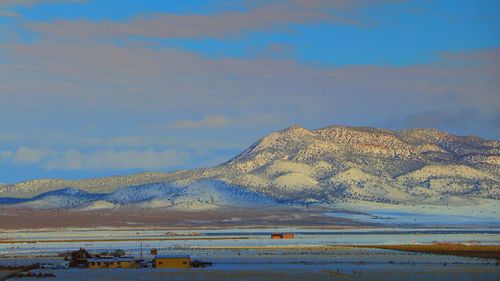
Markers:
point(109, 159)
point(273, 15)
point(210, 121)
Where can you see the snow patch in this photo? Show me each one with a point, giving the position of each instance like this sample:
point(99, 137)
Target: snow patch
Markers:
point(295, 181)
point(98, 205)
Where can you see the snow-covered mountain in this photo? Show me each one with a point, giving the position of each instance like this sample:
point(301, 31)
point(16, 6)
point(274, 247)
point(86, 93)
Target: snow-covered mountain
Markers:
point(332, 164)
point(203, 194)
point(367, 164)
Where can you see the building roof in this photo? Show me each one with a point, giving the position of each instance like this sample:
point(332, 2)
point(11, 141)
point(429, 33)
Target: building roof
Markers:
point(172, 257)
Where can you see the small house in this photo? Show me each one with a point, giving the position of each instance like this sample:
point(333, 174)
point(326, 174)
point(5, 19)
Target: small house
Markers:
point(172, 261)
point(112, 262)
point(79, 258)
point(279, 235)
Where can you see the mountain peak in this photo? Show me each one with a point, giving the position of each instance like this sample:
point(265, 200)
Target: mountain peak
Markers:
point(295, 129)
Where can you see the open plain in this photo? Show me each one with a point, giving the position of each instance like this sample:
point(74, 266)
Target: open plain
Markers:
point(250, 254)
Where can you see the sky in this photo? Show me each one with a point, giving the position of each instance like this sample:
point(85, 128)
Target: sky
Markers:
point(92, 88)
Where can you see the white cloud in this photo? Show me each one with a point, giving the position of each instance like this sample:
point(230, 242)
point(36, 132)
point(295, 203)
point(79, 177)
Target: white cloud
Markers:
point(4, 137)
point(255, 119)
point(209, 121)
point(110, 159)
point(202, 85)
point(229, 142)
point(25, 155)
point(5, 155)
point(271, 15)
point(167, 140)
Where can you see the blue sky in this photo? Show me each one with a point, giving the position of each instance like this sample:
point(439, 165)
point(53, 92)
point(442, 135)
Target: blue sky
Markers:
point(97, 88)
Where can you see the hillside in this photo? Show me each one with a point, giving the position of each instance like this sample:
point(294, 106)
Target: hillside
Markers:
point(364, 163)
point(297, 166)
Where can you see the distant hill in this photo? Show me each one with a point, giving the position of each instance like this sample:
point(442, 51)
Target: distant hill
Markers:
point(299, 166)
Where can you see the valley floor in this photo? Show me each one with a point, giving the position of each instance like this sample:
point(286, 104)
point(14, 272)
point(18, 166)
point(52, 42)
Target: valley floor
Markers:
point(292, 263)
point(351, 253)
point(473, 214)
point(11, 218)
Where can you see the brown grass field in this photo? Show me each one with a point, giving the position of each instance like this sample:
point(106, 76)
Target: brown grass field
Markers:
point(475, 251)
point(120, 239)
point(18, 218)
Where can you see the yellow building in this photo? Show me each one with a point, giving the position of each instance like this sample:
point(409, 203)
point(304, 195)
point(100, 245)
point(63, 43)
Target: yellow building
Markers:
point(172, 261)
point(112, 262)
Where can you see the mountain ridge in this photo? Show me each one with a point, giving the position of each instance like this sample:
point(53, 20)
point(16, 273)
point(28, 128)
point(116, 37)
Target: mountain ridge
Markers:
point(332, 164)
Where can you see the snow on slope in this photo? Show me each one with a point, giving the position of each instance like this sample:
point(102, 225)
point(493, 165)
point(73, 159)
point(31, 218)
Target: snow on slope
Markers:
point(295, 181)
point(368, 164)
point(281, 167)
point(62, 198)
point(32, 188)
point(361, 185)
point(136, 194)
point(218, 193)
point(446, 171)
point(203, 194)
point(333, 164)
point(98, 205)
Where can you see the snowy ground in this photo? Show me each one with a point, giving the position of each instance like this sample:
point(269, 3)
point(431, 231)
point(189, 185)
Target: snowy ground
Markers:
point(334, 264)
point(292, 272)
point(250, 254)
point(48, 243)
point(484, 213)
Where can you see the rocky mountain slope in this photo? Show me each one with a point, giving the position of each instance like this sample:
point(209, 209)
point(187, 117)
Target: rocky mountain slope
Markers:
point(296, 165)
point(368, 164)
